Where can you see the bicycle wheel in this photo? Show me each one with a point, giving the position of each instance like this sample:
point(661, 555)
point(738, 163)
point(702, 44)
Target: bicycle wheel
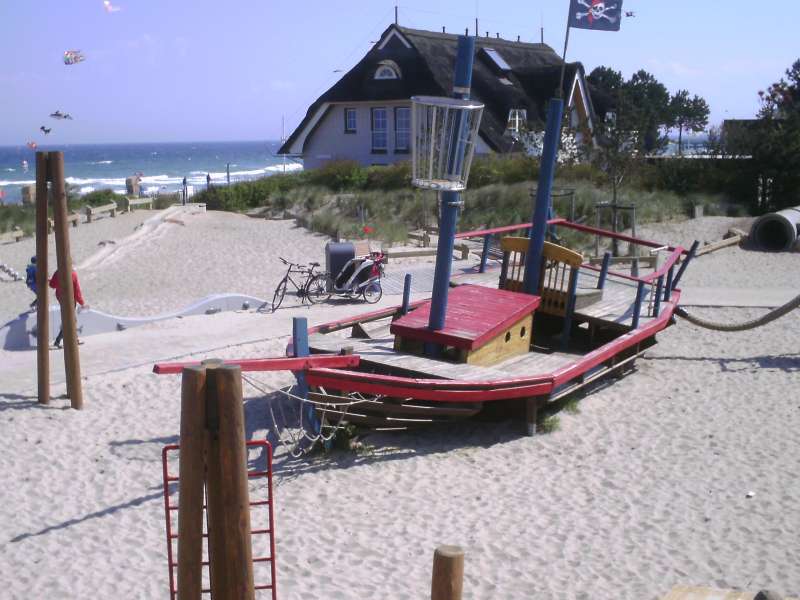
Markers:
point(318, 287)
point(373, 292)
point(280, 292)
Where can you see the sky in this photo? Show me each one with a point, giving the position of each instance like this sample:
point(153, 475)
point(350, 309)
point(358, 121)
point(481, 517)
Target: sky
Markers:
point(195, 70)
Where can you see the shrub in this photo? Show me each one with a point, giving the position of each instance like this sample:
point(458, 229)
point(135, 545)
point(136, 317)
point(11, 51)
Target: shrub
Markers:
point(339, 175)
point(390, 177)
point(98, 198)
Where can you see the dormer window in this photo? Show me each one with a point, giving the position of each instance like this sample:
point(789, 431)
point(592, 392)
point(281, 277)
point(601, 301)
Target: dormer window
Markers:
point(496, 61)
point(517, 121)
point(387, 69)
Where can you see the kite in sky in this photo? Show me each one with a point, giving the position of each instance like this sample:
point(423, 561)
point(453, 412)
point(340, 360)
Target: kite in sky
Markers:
point(59, 115)
point(45, 130)
point(73, 57)
point(110, 7)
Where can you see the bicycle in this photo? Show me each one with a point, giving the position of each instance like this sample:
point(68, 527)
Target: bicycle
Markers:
point(306, 289)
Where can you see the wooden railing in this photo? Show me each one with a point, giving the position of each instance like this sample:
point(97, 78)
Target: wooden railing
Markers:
point(656, 287)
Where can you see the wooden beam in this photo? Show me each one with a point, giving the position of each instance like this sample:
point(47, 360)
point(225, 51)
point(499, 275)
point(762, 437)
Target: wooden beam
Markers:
point(42, 298)
point(708, 248)
point(69, 325)
point(229, 533)
point(192, 470)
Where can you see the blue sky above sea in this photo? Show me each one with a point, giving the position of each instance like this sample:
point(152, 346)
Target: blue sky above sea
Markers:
point(174, 71)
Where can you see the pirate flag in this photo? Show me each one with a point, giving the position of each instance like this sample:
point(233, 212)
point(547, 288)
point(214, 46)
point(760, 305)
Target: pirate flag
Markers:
point(595, 14)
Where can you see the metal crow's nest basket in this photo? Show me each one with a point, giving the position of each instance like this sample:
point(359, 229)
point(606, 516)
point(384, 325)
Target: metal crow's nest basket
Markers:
point(445, 131)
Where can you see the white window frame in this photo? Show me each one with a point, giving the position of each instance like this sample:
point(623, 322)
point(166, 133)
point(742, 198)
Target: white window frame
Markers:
point(347, 113)
point(386, 72)
point(403, 133)
point(377, 130)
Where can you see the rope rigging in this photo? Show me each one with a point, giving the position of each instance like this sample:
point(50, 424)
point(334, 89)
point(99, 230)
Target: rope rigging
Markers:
point(772, 315)
point(294, 444)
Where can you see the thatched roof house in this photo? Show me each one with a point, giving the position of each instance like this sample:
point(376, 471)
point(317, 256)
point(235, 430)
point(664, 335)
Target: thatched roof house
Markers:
point(353, 119)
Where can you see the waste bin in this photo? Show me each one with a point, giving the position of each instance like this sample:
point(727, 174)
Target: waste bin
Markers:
point(336, 256)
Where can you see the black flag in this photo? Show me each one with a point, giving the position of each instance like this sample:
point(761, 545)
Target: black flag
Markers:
point(595, 14)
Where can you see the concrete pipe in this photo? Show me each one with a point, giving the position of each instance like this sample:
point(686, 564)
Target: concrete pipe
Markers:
point(778, 231)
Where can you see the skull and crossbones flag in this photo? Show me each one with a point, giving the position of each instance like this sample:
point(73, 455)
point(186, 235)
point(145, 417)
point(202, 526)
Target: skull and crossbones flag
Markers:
point(595, 14)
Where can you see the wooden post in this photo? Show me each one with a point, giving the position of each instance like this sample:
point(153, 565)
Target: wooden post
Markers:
point(42, 299)
point(69, 325)
point(192, 470)
point(229, 535)
point(447, 581)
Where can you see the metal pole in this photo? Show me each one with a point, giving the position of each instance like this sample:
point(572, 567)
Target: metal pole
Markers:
point(533, 258)
point(668, 287)
point(601, 280)
point(657, 300)
point(451, 201)
point(69, 325)
point(300, 348)
point(684, 264)
point(42, 300)
point(228, 173)
point(406, 294)
point(637, 306)
point(487, 239)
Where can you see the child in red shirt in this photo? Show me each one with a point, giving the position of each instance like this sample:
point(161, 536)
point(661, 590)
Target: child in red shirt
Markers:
point(56, 285)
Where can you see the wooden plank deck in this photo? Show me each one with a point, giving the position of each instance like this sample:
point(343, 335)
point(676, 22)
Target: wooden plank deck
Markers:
point(381, 352)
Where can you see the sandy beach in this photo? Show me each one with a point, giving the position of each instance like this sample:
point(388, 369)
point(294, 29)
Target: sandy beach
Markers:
point(683, 472)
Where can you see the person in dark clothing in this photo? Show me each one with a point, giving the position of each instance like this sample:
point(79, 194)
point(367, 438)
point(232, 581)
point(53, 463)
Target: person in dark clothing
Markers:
point(56, 285)
point(30, 279)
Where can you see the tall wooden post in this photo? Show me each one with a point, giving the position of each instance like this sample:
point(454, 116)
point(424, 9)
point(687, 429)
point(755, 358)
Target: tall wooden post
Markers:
point(192, 469)
point(42, 304)
point(229, 535)
point(447, 581)
point(69, 325)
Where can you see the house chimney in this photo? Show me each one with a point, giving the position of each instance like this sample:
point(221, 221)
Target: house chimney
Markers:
point(487, 34)
point(517, 38)
point(498, 35)
point(443, 31)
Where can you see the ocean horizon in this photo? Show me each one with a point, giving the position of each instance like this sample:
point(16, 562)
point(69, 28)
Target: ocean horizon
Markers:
point(162, 165)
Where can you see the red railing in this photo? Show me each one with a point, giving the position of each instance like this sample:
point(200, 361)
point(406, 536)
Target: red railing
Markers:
point(302, 363)
point(259, 562)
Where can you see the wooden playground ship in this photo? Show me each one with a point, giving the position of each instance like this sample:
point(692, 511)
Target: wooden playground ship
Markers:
point(499, 348)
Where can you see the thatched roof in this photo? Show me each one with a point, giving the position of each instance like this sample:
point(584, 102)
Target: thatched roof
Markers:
point(426, 61)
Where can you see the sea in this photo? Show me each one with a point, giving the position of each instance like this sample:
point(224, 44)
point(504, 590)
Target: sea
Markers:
point(161, 166)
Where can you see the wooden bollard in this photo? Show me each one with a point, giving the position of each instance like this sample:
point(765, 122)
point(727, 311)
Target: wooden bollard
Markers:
point(447, 581)
point(229, 534)
point(192, 466)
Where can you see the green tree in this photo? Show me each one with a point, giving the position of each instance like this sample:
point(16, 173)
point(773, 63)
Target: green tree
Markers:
point(775, 142)
point(649, 112)
point(690, 114)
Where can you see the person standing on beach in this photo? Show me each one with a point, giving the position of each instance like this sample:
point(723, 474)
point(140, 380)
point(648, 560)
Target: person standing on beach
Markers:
point(56, 285)
point(208, 181)
point(30, 279)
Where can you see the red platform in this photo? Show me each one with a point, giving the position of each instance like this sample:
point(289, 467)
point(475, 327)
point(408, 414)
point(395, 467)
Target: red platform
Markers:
point(475, 315)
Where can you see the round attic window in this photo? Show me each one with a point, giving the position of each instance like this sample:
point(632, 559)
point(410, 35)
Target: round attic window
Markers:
point(387, 70)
